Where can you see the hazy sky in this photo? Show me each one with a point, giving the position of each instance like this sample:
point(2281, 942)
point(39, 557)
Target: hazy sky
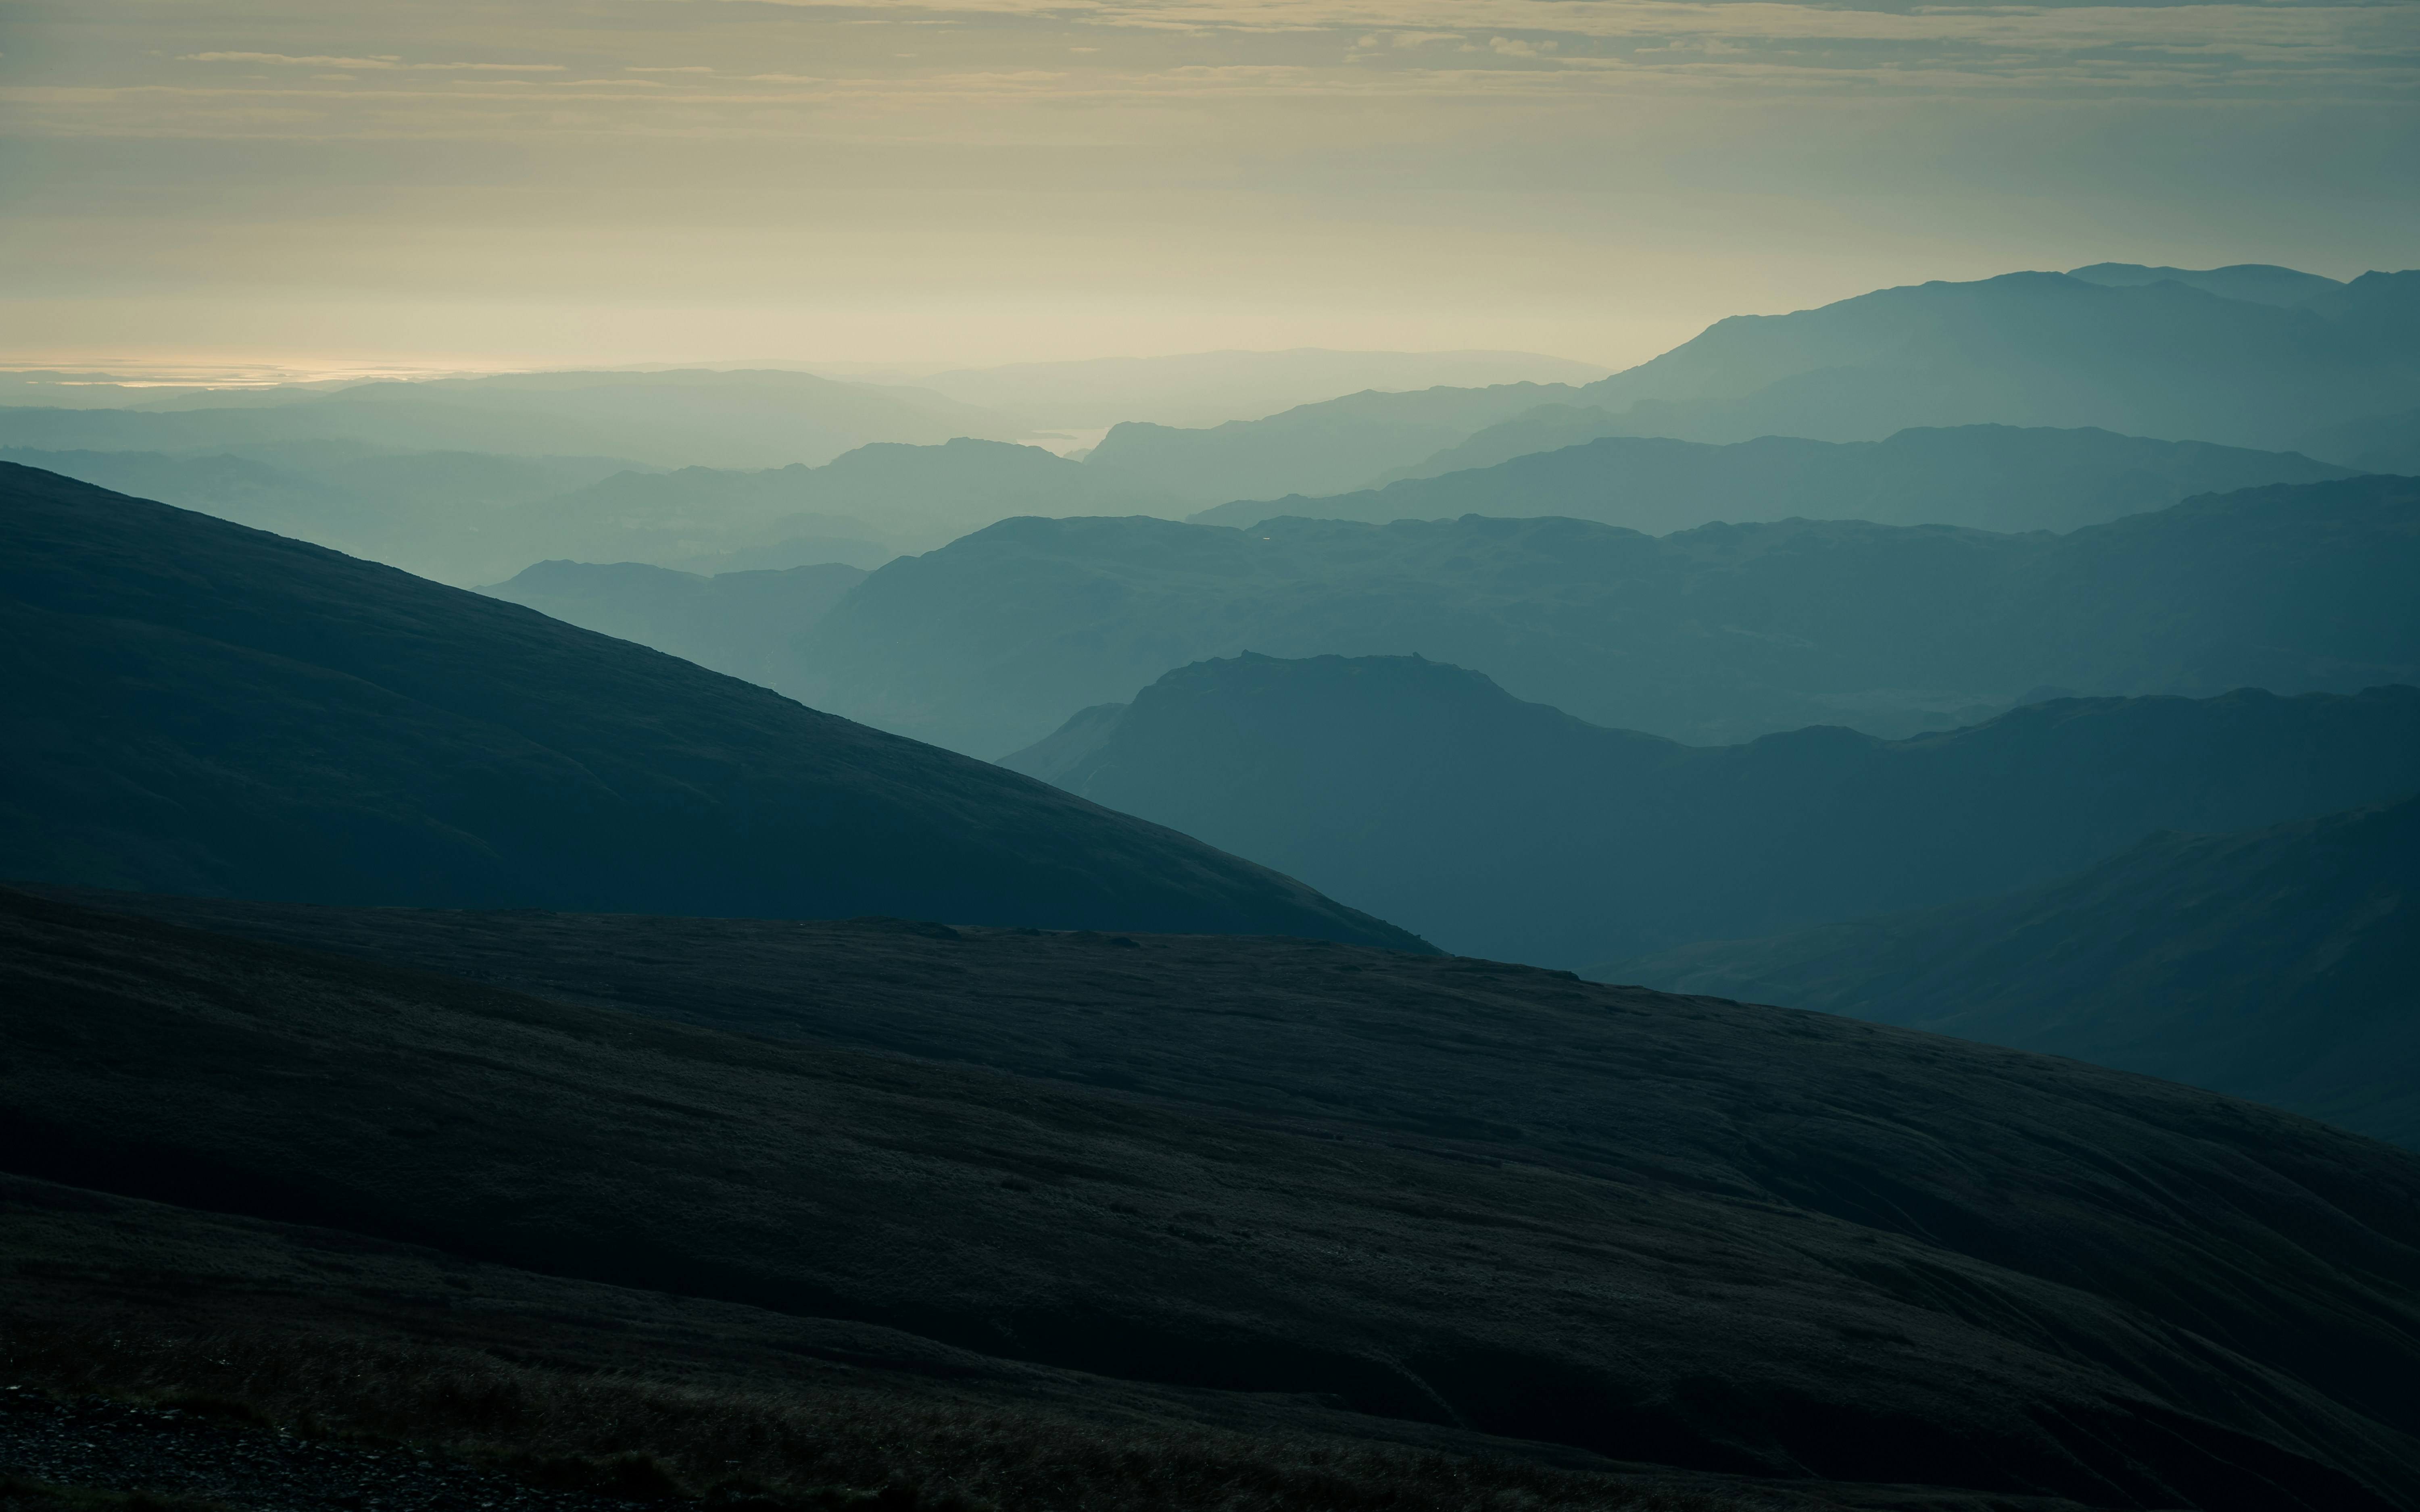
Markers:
point(481, 181)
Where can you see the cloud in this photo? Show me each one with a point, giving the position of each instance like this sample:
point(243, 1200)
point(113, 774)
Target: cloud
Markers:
point(692, 68)
point(386, 61)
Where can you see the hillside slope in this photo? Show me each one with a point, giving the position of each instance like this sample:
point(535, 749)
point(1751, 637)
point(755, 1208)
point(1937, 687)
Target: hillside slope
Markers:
point(1719, 634)
point(1495, 828)
point(1776, 1265)
point(2278, 964)
point(1986, 477)
point(193, 706)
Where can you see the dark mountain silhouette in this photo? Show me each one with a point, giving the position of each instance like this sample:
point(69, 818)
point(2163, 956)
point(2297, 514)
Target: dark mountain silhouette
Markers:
point(1665, 1229)
point(1989, 477)
point(671, 419)
point(194, 707)
point(2282, 966)
point(1717, 634)
point(2160, 360)
point(736, 622)
point(2256, 283)
point(1426, 794)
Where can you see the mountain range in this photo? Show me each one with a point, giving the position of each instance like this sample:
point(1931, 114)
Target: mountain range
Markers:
point(194, 707)
point(1673, 1230)
point(674, 419)
point(1212, 388)
point(1989, 477)
point(2161, 359)
point(1719, 634)
point(1426, 794)
point(739, 624)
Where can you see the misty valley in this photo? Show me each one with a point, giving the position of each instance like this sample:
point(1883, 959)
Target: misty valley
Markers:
point(1826, 920)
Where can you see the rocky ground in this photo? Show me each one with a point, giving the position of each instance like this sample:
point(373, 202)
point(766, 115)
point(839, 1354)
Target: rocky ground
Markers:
point(101, 1444)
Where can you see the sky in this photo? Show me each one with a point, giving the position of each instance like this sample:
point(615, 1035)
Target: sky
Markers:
point(318, 187)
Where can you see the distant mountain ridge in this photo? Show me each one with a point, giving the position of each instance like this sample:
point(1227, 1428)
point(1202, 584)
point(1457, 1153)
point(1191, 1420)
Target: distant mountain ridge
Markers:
point(1511, 830)
point(2158, 359)
point(1986, 477)
point(739, 624)
point(1715, 635)
point(193, 706)
point(670, 419)
point(909, 498)
point(2281, 964)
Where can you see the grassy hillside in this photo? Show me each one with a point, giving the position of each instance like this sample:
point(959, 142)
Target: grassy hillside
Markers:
point(2277, 964)
point(1839, 1249)
point(191, 706)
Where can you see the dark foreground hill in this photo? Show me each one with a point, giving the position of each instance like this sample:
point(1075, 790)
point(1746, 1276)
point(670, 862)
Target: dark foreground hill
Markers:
point(2281, 966)
point(1496, 827)
point(1671, 1230)
point(1718, 634)
point(1988, 477)
point(190, 706)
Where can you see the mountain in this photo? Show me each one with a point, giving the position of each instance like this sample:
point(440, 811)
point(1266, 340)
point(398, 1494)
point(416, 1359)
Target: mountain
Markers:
point(425, 512)
point(2376, 443)
point(1321, 448)
point(194, 707)
point(1718, 634)
point(1669, 1230)
point(1427, 793)
point(907, 498)
point(1989, 477)
point(675, 419)
point(1210, 388)
point(2278, 966)
point(2160, 360)
point(2255, 282)
point(735, 623)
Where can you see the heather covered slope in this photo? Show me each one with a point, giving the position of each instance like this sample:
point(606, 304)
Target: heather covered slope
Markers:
point(2281, 964)
point(193, 706)
point(1988, 477)
point(1761, 1255)
point(1496, 827)
point(1719, 634)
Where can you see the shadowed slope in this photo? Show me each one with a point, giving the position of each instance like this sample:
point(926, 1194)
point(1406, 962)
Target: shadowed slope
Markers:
point(190, 706)
point(2282, 966)
point(1720, 1236)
